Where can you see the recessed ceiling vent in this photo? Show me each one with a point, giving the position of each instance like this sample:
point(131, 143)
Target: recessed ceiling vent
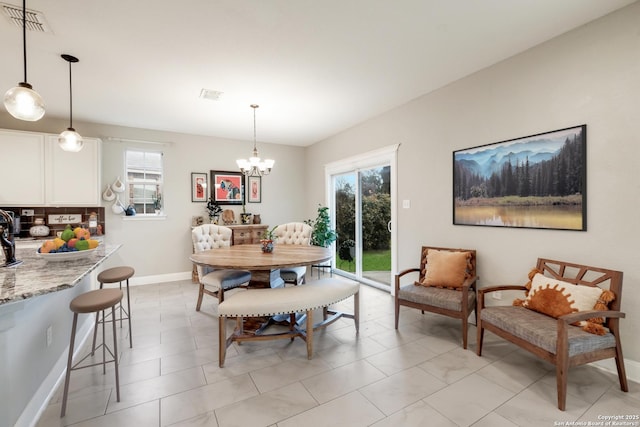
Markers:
point(211, 95)
point(35, 20)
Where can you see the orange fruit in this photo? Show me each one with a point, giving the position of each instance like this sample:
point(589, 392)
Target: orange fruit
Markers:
point(81, 232)
point(47, 246)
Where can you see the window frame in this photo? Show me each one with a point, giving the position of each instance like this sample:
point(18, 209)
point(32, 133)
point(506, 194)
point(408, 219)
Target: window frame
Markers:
point(142, 205)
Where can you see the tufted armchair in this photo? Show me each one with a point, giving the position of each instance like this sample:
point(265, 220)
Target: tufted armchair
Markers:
point(214, 282)
point(293, 233)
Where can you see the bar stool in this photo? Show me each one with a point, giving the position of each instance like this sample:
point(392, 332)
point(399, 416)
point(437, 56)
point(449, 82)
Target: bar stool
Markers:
point(116, 275)
point(93, 302)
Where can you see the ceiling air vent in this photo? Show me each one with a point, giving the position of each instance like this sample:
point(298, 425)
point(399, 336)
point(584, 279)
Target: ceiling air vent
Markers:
point(211, 95)
point(35, 20)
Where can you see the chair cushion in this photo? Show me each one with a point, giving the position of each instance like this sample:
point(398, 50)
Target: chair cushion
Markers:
point(292, 273)
point(293, 299)
point(541, 330)
point(227, 279)
point(446, 269)
point(556, 298)
point(437, 297)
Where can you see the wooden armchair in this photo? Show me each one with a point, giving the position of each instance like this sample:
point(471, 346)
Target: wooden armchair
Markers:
point(558, 341)
point(458, 302)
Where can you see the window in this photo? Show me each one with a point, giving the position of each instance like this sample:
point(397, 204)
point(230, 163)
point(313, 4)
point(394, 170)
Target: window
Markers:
point(144, 181)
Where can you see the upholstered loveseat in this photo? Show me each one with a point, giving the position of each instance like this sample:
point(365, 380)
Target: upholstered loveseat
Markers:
point(569, 317)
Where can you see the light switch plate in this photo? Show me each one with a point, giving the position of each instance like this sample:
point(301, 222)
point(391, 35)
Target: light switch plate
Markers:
point(406, 204)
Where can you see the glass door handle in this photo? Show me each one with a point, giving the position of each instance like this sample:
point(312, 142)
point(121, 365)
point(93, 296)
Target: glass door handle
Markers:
point(389, 226)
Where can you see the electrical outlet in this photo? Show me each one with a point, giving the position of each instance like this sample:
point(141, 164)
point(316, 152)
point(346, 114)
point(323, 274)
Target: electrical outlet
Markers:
point(406, 204)
point(27, 212)
point(49, 336)
point(497, 294)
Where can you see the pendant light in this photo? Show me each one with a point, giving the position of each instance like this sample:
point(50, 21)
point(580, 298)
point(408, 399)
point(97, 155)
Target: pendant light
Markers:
point(22, 102)
point(255, 166)
point(70, 140)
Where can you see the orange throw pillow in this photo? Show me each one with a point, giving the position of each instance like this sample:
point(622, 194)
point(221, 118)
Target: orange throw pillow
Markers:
point(556, 298)
point(446, 269)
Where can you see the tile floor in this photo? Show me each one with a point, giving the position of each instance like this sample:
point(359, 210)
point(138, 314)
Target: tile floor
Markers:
point(417, 376)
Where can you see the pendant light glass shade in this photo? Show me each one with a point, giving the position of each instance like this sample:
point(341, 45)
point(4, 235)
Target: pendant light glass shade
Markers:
point(22, 102)
point(70, 140)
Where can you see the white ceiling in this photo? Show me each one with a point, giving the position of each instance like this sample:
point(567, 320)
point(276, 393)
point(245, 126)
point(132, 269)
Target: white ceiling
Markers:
point(315, 67)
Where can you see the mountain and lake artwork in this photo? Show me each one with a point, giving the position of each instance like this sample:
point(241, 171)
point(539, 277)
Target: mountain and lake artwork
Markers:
point(537, 181)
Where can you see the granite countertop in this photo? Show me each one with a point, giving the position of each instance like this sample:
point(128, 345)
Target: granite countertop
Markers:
point(36, 276)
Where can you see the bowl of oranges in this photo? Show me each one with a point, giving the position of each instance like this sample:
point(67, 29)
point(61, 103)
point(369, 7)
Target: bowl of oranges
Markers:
point(72, 244)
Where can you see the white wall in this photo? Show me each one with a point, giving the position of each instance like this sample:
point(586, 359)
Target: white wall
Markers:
point(162, 247)
point(590, 75)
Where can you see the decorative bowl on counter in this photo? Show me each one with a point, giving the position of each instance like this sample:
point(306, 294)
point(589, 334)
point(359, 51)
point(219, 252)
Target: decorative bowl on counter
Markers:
point(66, 256)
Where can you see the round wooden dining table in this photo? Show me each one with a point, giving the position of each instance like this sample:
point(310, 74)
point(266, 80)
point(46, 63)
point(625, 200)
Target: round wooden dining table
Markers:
point(264, 267)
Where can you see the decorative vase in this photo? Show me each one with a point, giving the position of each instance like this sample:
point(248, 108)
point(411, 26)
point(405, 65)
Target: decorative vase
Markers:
point(256, 219)
point(267, 246)
point(245, 218)
point(39, 229)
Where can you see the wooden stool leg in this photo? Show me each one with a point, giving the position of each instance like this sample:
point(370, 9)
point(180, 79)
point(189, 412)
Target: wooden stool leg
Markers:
point(69, 360)
point(309, 334)
point(222, 340)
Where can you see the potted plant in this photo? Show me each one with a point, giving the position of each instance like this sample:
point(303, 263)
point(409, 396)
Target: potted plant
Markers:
point(347, 250)
point(214, 210)
point(157, 203)
point(322, 234)
point(268, 238)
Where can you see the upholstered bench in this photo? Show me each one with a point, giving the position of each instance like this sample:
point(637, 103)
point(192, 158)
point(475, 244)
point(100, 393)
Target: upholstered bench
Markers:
point(288, 300)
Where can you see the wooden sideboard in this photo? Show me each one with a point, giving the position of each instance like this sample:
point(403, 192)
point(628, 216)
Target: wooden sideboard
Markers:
point(241, 235)
point(247, 234)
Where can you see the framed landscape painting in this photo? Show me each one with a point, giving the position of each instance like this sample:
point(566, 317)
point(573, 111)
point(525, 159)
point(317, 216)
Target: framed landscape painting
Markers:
point(227, 188)
point(537, 181)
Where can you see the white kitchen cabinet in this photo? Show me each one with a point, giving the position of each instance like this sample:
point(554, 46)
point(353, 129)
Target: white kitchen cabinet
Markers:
point(22, 168)
point(35, 171)
point(72, 179)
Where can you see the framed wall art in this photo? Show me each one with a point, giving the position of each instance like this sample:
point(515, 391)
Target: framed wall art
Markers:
point(226, 187)
point(537, 181)
point(199, 186)
point(254, 189)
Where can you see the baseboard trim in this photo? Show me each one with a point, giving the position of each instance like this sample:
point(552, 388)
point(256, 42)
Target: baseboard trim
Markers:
point(631, 367)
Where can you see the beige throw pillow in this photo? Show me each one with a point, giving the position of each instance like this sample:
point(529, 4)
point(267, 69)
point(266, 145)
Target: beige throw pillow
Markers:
point(446, 269)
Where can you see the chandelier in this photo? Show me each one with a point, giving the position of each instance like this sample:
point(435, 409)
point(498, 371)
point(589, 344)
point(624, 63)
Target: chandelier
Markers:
point(255, 166)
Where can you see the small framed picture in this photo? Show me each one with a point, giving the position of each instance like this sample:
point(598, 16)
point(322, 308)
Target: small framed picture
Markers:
point(199, 186)
point(226, 187)
point(254, 189)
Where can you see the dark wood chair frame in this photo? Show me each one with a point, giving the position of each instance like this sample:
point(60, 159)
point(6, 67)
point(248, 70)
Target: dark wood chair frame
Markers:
point(584, 275)
point(469, 285)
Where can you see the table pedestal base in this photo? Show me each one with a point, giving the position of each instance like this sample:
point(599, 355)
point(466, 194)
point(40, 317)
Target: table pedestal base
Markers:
point(266, 279)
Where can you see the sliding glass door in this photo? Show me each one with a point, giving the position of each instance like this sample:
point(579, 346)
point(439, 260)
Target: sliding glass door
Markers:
point(362, 202)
